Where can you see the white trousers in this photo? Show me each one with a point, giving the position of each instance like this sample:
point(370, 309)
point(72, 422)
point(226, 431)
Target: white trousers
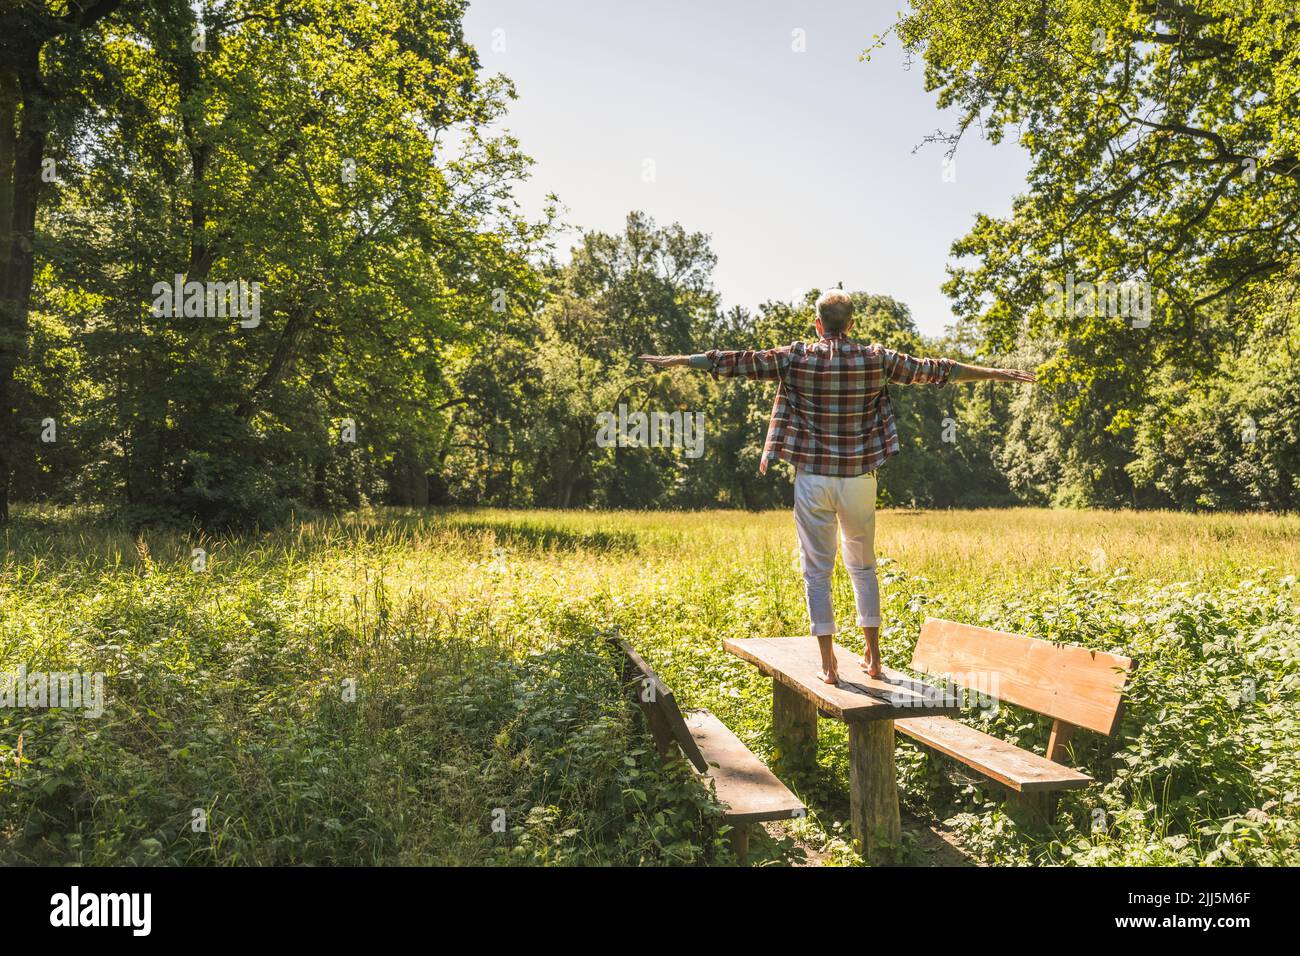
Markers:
point(821, 503)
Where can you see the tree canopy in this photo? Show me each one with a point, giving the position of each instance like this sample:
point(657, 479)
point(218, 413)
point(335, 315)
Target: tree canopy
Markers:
point(258, 255)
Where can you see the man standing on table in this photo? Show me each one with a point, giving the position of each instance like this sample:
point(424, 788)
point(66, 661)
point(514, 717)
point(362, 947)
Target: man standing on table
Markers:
point(833, 421)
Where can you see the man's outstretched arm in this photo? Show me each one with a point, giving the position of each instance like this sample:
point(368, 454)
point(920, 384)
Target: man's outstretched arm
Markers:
point(903, 369)
point(700, 361)
point(762, 364)
point(978, 373)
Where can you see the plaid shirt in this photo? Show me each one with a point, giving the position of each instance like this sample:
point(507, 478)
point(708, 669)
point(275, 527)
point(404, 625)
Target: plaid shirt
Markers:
point(832, 414)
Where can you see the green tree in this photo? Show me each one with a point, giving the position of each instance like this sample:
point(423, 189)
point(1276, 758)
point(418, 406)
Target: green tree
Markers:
point(331, 151)
point(1163, 156)
point(527, 428)
point(45, 48)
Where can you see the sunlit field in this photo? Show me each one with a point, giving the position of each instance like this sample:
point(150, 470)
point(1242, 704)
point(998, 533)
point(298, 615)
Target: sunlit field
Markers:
point(432, 687)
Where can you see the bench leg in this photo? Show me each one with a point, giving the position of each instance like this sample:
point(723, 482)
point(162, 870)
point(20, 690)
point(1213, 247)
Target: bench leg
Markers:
point(794, 731)
point(1033, 810)
point(740, 842)
point(873, 789)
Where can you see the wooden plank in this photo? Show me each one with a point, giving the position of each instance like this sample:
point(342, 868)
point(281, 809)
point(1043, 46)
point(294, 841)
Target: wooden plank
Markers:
point(749, 789)
point(1074, 684)
point(794, 662)
point(659, 705)
point(1021, 770)
point(873, 790)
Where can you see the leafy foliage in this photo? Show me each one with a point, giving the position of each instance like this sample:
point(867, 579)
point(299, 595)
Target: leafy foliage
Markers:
point(1161, 156)
point(481, 685)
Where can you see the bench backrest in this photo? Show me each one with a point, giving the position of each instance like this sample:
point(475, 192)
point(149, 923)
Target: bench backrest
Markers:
point(662, 715)
point(1073, 684)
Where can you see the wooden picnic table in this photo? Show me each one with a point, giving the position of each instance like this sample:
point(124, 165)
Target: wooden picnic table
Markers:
point(869, 706)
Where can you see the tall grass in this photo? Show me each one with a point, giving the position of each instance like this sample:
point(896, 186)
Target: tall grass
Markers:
point(403, 687)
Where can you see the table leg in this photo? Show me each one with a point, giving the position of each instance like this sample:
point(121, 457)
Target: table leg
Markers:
point(873, 789)
point(740, 841)
point(794, 731)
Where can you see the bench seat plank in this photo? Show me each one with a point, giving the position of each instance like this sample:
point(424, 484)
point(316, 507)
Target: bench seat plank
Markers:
point(743, 782)
point(1006, 763)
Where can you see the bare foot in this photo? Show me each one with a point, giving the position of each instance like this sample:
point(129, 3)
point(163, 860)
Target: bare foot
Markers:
point(832, 677)
point(872, 668)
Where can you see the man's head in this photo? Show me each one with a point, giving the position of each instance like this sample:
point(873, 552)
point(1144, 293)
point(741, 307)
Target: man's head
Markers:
point(834, 313)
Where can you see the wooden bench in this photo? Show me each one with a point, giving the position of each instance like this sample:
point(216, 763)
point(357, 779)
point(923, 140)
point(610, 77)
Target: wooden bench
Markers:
point(748, 789)
point(1075, 686)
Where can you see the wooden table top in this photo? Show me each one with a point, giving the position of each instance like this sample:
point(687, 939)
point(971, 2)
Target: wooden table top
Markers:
point(795, 661)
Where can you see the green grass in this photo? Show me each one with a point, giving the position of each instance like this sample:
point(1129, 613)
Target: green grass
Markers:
point(483, 694)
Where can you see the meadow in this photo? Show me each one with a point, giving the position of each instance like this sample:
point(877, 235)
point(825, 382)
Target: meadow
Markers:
point(431, 687)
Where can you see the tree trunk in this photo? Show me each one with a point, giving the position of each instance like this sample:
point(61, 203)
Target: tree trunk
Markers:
point(408, 481)
point(21, 151)
point(319, 488)
point(282, 359)
point(9, 97)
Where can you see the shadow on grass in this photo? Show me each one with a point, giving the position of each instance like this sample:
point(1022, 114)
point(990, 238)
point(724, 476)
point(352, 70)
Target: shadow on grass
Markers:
point(823, 791)
point(537, 537)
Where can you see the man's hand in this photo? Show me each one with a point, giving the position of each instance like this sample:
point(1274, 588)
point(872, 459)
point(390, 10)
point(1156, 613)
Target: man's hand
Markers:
point(664, 361)
point(1015, 375)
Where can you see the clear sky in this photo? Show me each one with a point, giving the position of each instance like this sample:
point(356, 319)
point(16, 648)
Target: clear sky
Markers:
point(799, 165)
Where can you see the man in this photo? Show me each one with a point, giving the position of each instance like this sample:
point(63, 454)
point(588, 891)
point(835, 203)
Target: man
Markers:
point(833, 421)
